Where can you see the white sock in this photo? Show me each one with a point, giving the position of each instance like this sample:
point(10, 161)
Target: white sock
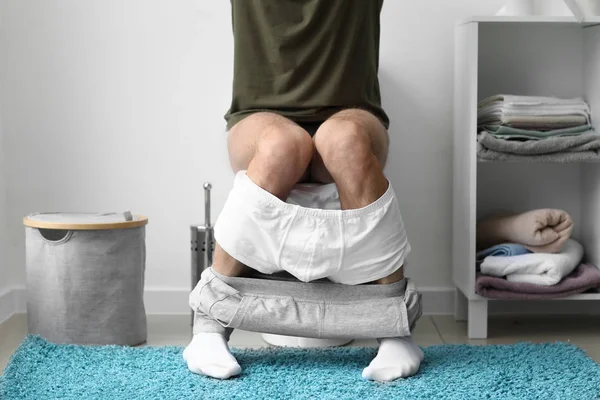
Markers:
point(396, 358)
point(208, 354)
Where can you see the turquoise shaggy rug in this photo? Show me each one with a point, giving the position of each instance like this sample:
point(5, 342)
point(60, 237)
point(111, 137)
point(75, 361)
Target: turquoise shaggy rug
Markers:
point(40, 370)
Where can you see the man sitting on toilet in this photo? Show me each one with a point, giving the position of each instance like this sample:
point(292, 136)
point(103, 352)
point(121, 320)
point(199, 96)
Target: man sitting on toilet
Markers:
point(306, 107)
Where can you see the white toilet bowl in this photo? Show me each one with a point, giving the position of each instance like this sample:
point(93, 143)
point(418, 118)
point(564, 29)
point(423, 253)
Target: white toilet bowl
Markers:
point(294, 341)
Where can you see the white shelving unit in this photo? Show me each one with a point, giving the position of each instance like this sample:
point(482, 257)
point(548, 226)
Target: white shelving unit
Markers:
point(527, 56)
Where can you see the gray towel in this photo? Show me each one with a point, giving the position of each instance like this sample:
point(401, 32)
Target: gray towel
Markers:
point(510, 133)
point(535, 121)
point(584, 147)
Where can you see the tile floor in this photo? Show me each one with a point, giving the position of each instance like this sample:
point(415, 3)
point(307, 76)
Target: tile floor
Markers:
point(431, 330)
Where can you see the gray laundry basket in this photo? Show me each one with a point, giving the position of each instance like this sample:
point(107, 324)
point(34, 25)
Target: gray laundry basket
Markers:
point(85, 277)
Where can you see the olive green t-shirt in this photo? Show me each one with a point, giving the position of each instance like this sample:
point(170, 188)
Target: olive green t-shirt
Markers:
point(305, 59)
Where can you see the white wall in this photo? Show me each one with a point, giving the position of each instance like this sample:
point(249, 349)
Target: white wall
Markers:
point(7, 305)
point(5, 267)
point(113, 105)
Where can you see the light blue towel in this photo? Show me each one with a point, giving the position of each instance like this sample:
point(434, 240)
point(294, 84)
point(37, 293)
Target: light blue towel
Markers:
point(503, 250)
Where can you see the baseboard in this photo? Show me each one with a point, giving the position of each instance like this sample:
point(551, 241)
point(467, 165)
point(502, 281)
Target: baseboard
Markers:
point(545, 307)
point(12, 301)
point(436, 301)
point(166, 301)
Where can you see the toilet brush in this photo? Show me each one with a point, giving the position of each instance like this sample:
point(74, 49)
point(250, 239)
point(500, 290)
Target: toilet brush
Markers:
point(202, 242)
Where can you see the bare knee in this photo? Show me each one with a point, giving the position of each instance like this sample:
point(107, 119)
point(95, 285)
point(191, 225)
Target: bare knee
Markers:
point(286, 150)
point(282, 155)
point(268, 139)
point(344, 143)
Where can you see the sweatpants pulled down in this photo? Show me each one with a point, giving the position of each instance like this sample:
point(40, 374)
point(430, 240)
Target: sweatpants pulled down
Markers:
point(313, 310)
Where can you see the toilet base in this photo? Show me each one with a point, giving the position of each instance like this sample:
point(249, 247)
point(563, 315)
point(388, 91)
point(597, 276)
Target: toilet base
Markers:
point(294, 341)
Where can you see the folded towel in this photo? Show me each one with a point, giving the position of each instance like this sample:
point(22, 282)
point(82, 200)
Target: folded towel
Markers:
point(503, 250)
point(581, 148)
point(503, 107)
point(534, 110)
point(541, 231)
point(510, 133)
point(538, 268)
point(547, 114)
point(544, 123)
point(534, 122)
point(588, 141)
point(484, 154)
point(529, 100)
point(584, 278)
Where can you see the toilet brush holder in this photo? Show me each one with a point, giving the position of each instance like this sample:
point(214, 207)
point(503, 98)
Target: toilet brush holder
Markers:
point(202, 242)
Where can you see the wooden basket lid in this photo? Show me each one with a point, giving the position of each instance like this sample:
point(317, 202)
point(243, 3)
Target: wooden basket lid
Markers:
point(84, 221)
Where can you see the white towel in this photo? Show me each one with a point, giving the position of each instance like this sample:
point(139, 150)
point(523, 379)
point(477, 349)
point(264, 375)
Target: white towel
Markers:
point(512, 106)
point(537, 268)
point(507, 111)
point(530, 100)
point(540, 100)
point(496, 110)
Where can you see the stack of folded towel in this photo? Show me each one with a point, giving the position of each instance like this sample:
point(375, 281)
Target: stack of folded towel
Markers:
point(529, 128)
point(531, 256)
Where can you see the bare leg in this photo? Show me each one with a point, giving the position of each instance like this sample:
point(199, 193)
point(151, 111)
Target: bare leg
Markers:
point(352, 150)
point(275, 152)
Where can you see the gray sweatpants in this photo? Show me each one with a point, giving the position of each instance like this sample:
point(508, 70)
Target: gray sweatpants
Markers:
point(312, 310)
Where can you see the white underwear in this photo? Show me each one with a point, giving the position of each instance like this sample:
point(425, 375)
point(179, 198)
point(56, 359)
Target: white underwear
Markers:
point(309, 236)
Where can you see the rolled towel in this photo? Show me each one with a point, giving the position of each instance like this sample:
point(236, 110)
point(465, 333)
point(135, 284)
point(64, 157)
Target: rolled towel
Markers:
point(541, 231)
point(536, 268)
point(503, 250)
point(584, 278)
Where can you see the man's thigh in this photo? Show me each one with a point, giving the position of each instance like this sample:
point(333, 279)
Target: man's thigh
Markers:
point(244, 137)
point(368, 123)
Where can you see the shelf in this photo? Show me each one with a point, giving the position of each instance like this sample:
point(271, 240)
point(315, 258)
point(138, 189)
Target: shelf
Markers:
point(483, 161)
point(535, 19)
point(583, 296)
point(535, 56)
